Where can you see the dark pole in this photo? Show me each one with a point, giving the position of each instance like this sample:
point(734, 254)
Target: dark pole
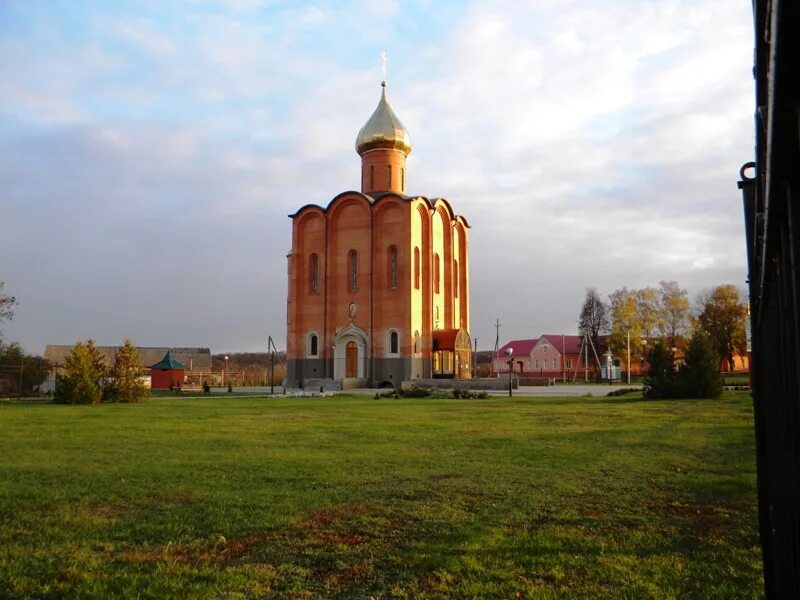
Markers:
point(475, 360)
point(510, 374)
point(270, 345)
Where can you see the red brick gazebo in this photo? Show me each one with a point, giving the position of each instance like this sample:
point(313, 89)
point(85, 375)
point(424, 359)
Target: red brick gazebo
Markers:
point(167, 372)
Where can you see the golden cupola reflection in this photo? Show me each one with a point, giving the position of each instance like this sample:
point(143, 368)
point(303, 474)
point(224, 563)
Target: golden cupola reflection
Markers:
point(383, 130)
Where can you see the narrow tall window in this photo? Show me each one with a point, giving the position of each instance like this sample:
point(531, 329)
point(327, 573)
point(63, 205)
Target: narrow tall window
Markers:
point(353, 268)
point(402, 180)
point(312, 345)
point(416, 342)
point(416, 267)
point(393, 266)
point(388, 177)
point(455, 279)
point(313, 273)
point(394, 343)
point(435, 273)
point(372, 177)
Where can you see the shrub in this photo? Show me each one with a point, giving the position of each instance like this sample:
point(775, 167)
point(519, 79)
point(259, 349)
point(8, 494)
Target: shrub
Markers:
point(621, 392)
point(662, 381)
point(415, 392)
point(700, 374)
point(125, 383)
point(466, 394)
point(79, 382)
point(698, 377)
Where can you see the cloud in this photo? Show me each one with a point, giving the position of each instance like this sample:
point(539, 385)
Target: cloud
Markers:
point(149, 160)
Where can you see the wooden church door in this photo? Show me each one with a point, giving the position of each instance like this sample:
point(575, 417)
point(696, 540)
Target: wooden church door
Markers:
point(351, 360)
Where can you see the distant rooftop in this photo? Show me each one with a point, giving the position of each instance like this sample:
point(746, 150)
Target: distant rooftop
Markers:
point(193, 358)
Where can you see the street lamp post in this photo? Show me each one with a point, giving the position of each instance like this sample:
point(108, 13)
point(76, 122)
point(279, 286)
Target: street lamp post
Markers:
point(644, 354)
point(225, 370)
point(510, 354)
point(629, 357)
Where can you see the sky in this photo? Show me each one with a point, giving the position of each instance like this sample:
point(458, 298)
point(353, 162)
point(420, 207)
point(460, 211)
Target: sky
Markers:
point(150, 152)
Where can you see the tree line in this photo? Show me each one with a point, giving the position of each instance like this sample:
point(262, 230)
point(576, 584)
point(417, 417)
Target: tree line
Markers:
point(19, 372)
point(86, 378)
point(666, 314)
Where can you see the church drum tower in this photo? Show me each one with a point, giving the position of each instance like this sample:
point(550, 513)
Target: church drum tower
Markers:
point(378, 280)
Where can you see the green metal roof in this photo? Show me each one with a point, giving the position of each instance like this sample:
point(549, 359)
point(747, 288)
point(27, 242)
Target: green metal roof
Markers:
point(168, 363)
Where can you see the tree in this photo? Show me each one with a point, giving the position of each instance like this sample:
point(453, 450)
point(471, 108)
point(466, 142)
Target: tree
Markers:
point(699, 375)
point(648, 311)
point(593, 319)
point(624, 322)
point(721, 314)
point(34, 368)
point(661, 380)
point(80, 378)
point(675, 319)
point(7, 304)
point(125, 383)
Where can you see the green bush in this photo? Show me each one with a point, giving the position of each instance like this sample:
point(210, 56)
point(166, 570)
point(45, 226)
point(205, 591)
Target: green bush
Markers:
point(662, 381)
point(700, 376)
point(79, 381)
point(621, 392)
point(414, 392)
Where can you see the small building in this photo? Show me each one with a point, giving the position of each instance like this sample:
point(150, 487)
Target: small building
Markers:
point(557, 356)
point(167, 374)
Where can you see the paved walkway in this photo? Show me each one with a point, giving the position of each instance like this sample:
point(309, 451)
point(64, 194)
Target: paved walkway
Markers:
point(544, 391)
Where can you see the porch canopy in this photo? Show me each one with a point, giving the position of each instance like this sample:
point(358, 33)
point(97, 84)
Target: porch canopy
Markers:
point(452, 354)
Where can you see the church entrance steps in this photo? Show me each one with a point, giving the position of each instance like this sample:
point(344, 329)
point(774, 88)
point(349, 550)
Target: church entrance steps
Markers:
point(353, 383)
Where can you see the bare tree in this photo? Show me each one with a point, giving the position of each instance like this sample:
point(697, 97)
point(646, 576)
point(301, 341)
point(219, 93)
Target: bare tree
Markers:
point(7, 304)
point(594, 317)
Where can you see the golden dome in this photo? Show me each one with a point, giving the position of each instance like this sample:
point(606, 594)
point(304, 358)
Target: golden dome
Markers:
point(383, 129)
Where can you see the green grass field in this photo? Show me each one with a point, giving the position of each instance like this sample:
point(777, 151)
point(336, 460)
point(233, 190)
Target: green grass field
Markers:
point(351, 497)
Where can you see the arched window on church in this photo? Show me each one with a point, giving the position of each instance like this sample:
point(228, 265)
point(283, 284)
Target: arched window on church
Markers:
point(372, 177)
point(416, 267)
point(352, 262)
point(313, 273)
point(416, 342)
point(402, 179)
point(435, 273)
point(392, 267)
point(394, 342)
point(313, 344)
point(455, 279)
point(388, 177)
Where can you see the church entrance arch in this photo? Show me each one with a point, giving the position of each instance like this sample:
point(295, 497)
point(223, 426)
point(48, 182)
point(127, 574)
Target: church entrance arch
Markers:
point(351, 360)
point(350, 353)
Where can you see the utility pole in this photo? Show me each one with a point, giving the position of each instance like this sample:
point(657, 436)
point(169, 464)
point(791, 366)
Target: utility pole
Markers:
point(271, 348)
point(496, 344)
point(629, 358)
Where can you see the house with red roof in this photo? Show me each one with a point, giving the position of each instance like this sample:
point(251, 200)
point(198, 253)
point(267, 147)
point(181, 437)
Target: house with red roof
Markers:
point(551, 355)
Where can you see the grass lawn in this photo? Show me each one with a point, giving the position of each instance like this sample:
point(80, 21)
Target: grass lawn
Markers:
point(351, 497)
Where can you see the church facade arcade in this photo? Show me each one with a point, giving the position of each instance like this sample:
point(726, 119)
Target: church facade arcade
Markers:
point(378, 279)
